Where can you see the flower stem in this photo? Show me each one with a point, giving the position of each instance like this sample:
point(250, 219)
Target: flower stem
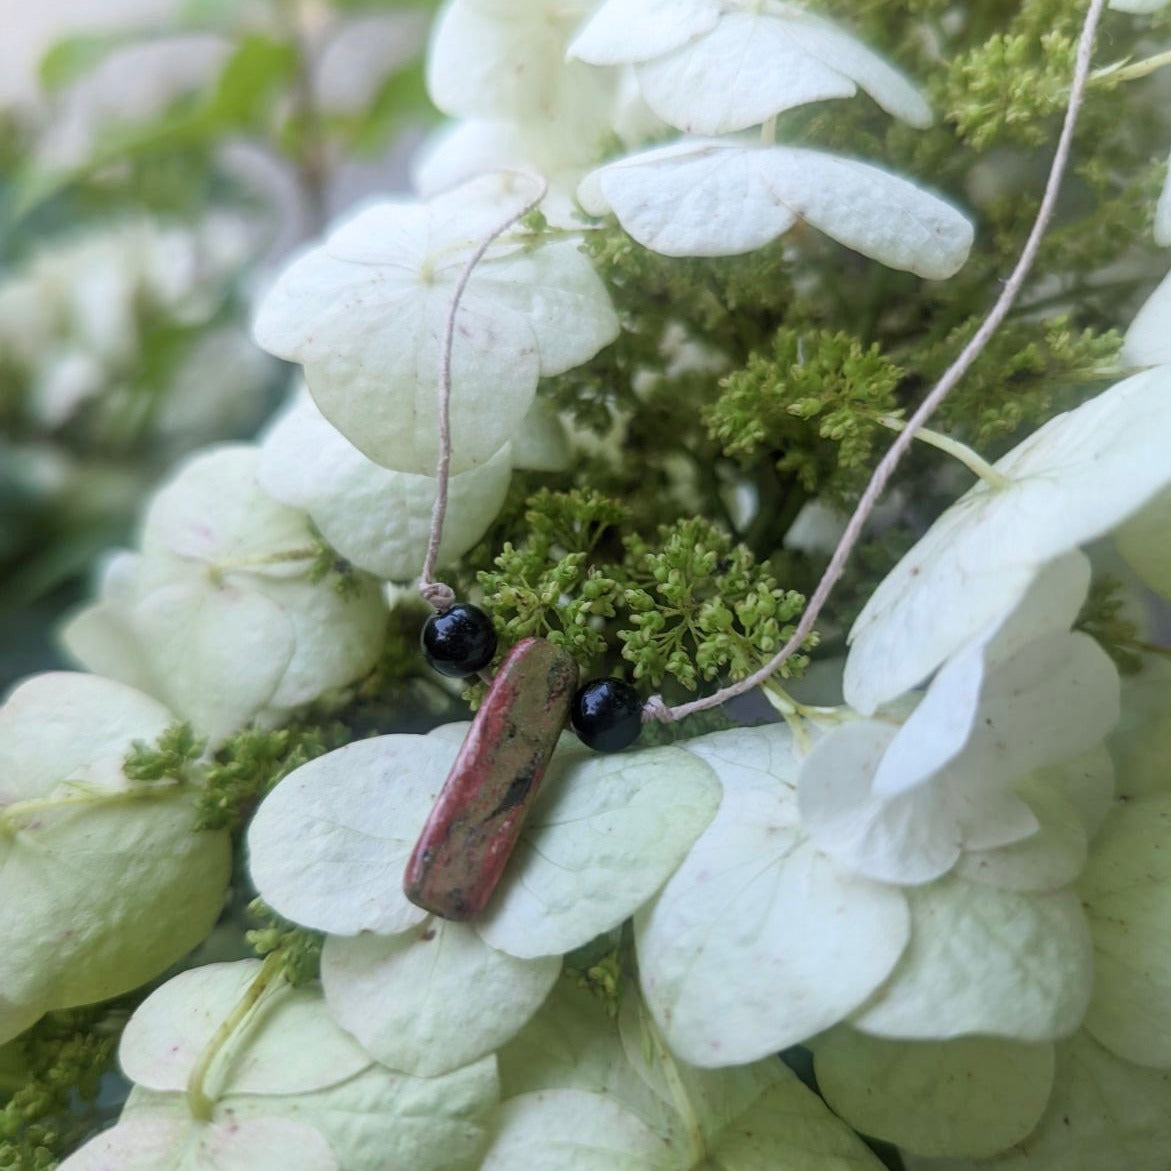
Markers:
point(976, 464)
point(199, 1101)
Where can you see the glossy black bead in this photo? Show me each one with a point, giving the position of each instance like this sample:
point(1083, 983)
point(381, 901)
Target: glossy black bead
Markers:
point(460, 641)
point(606, 714)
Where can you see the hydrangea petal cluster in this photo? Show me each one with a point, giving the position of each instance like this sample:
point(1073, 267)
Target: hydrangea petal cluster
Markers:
point(365, 314)
point(329, 845)
point(1074, 479)
point(378, 519)
point(716, 66)
point(106, 881)
point(289, 1089)
point(219, 615)
point(584, 1091)
point(902, 804)
point(721, 197)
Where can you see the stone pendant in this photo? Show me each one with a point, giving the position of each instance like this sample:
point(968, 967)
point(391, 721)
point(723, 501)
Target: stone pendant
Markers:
point(474, 826)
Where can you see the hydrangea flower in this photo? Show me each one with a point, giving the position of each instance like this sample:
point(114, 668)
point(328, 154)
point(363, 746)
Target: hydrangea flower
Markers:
point(903, 803)
point(760, 940)
point(365, 314)
point(380, 520)
point(583, 1089)
point(1074, 479)
point(218, 615)
point(714, 66)
point(721, 197)
point(106, 881)
point(329, 845)
point(288, 1090)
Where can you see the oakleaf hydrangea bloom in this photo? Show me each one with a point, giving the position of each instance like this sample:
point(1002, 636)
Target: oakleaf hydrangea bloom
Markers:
point(721, 197)
point(287, 1090)
point(903, 803)
point(219, 615)
point(760, 940)
point(714, 66)
point(365, 314)
point(328, 848)
point(1074, 479)
point(582, 1089)
point(380, 520)
point(106, 881)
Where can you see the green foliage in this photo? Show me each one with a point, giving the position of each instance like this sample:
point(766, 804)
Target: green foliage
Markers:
point(251, 762)
point(548, 585)
point(300, 948)
point(63, 1058)
point(700, 607)
point(812, 403)
point(604, 979)
point(1029, 372)
point(170, 757)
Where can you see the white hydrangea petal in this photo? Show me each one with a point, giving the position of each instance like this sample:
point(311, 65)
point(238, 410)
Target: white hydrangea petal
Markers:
point(1049, 859)
point(541, 444)
point(560, 293)
point(574, 1130)
point(170, 1030)
point(984, 960)
point(1073, 480)
point(1147, 341)
point(370, 346)
point(337, 636)
point(908, 838)
point(1055, 699)
point(213, 510)
point(1141, 744)
point(741, 73)
point(1087, 782)
point(720, 198)
point(63, 725)
point(259, 1144)
point(1145, 541)
point(131, 887)
point(510, 64)
point(637, 30)
point(433, 998)
point(758, 941)
point(950, 713)
point(837, 49)
point(1137, 7)
point(376, 518)
point(100, 637)
point(787, 1125)
point(328, 846)
point(969, 1097)
point(604, 834)
point(227, 650)
point(1127, 893)
point(1102, 1110)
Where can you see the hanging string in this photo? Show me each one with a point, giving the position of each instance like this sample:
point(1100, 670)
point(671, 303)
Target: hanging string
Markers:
point(656, 709)
point(439, 595)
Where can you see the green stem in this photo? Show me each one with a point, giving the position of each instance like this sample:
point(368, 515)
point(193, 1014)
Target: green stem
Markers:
point(1133, 71)
point(976, 464)
point(200, 1103)
point(22, 809)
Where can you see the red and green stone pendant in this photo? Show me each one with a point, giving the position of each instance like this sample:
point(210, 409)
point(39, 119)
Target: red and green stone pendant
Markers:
point(461, 854)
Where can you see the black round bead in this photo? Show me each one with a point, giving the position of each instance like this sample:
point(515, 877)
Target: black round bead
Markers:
point(606, 714)
point(460, 641)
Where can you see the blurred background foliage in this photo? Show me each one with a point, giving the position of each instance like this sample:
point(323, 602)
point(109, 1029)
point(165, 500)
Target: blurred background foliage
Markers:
point(163, 158)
